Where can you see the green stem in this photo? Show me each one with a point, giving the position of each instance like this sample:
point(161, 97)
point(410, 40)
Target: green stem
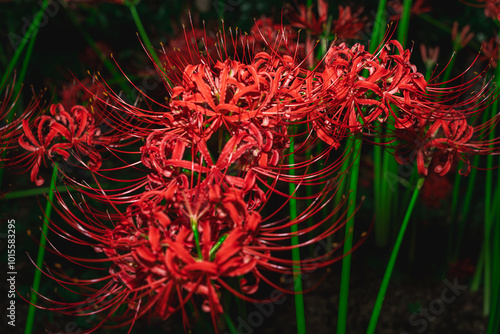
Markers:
point(404, 22)
point(491, 239)
point(230, 324)
point(466, 206)
point(38, 191)
point(143, 34)
point(297, 277)
point(378, 26)
point(26, 61)
point(449, 68)
point(494, 322)
point(33, 28)
point(349, 230)
point(476, 279)
point(488, 217)
point(381, 227)
point(342, 185)
point(392, 260)
point(41, 254)
point(196, 234)
point(385, 165)
point(216, 247)
point(452, 216)
point(31, 36)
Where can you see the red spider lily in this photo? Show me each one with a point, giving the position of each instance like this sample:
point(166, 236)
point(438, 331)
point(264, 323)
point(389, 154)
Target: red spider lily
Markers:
point(198, 221)
point(349, 23)
point(181, 241)
point(429, 55)
point(187, 42)
point(418, 7)
point(491, 7)
point(59, 133)
point(78, 91)
point(234, 92)
point(314, 26)
point(360, 87)
point(441, 142)
point(489, 51)
point(461, 40)
point(304, 18)
point(265, 31)
point(164, 154)
point(11, 124)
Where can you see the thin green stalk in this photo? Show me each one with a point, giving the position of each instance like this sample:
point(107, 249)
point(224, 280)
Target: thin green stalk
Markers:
point(342, 185)
point(385, 167)
point(380, 223)
point(34, 26)
point(297, 277)
point(39, 191)
point(392, 260)
point(494, 321)
point(142, 32)
point(490, 266)
point(404, 22)
point(390, 192)
point(488, 218)
point(349, 230)
point(41, 254)
point(457, 238)
point(196, 235)
point(487, 243)
point(378, 26)
point(476, 279)
point(230, 324)
point(428, 72)
point(31, 36)
point(452, 216)
point(449, 67)
point(26, 61)
point(466, 205)
point(26, 193)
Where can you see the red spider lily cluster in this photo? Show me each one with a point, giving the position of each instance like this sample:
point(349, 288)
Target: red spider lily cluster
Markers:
point(208, 201)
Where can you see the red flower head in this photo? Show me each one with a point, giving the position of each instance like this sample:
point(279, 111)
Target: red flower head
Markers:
point(360, 86)
point(60, 133)
point(490, 51)
point(303, 18)
point(418, 7)
point(349, 23)
point(265, 32)
point(11, 125)
point(492, 9)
